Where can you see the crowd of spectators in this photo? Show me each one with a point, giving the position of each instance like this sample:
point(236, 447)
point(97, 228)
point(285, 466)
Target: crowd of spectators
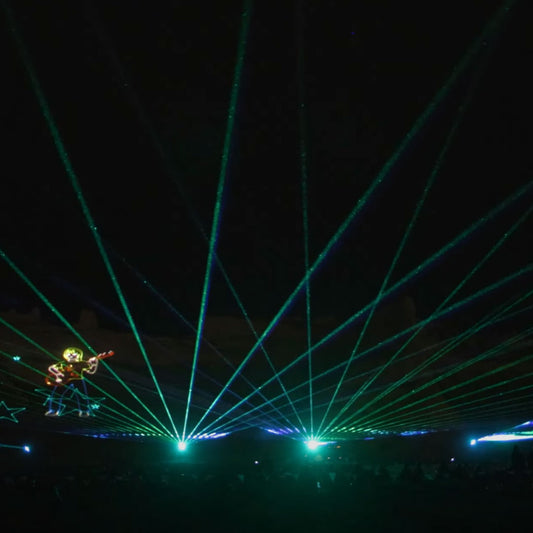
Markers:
point(308, 497)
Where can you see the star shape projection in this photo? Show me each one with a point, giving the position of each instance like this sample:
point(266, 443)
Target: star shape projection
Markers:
point(9, 413)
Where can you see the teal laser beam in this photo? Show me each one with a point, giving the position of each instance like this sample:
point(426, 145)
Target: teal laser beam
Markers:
point(447, 341)
point(263, 350)
point(75, 183)
point(42, 374)
point(470, 299)
point(452, 308)
point(146, 283)
point(326, 434)
point(456, 368)
point(146, 123)
point(305, 218)
point(415, 272)
point(40, 348)
point(376, 425)
point(483, 323)
point(218, 202)
point(245, 314)
point(303, 397)
point(449, 406)
point(424, 322)
point(383, 174)
point(371, 417)
point(433, 259)
point(464, 383)
point(69, 326)
point(431, 179)
point(489, 410)
point(448, 298)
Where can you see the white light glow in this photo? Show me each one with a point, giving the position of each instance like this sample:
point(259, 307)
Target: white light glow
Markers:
point(505, 437)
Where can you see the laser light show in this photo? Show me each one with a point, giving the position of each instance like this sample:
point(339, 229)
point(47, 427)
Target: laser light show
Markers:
point(241, 233)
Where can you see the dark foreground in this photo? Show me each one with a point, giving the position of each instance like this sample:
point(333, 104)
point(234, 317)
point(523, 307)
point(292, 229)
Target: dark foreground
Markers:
point(69, 487)
point(312, 499)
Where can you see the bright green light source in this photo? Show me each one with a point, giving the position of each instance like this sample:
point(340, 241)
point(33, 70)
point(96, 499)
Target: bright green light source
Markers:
point(182, 446)
point(313, 444)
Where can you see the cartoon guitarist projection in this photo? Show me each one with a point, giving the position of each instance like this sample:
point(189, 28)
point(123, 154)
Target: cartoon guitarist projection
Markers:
point(68, 376)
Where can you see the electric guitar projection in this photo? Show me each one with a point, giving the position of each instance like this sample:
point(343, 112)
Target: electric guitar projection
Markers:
point(63, 373)
point(68, 376)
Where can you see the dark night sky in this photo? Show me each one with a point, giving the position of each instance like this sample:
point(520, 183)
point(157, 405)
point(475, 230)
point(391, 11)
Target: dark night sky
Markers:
point(140, 95)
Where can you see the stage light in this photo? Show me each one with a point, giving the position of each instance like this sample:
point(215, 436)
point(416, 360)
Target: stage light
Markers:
point(16, 358)
point(473, 442)
point(26, 449)
point(506, 437)
point(182, 446)
point(312, 444)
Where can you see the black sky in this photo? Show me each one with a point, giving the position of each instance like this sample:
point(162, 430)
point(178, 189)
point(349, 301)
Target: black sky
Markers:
point(140, 95)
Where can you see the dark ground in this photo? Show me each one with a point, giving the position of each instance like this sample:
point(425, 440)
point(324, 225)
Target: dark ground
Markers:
point(128, 486)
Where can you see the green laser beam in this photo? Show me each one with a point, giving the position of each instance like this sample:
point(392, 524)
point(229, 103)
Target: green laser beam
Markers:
point(305, 218)
point(449, 297)
point(328, 434)
point(54, 131)
point(426, 321)
point(507, 316)
point(388, 418)
point(464, 383)
point(457, 368)
point(501, 318)
point(431, 179)
point(415, 129)
point(425, 349)
point(218, 202)
point(485, 322)
point(146, 123)
point(461, 408)
point(303, 398)
point(147, 284)
point(56, 312)
point(33, 343)
point(503, 383)
point(35, 394)
point(488, 412)
point(42, 374)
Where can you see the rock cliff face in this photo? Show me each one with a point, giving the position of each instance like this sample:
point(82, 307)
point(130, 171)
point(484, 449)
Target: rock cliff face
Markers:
point(226, 341)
